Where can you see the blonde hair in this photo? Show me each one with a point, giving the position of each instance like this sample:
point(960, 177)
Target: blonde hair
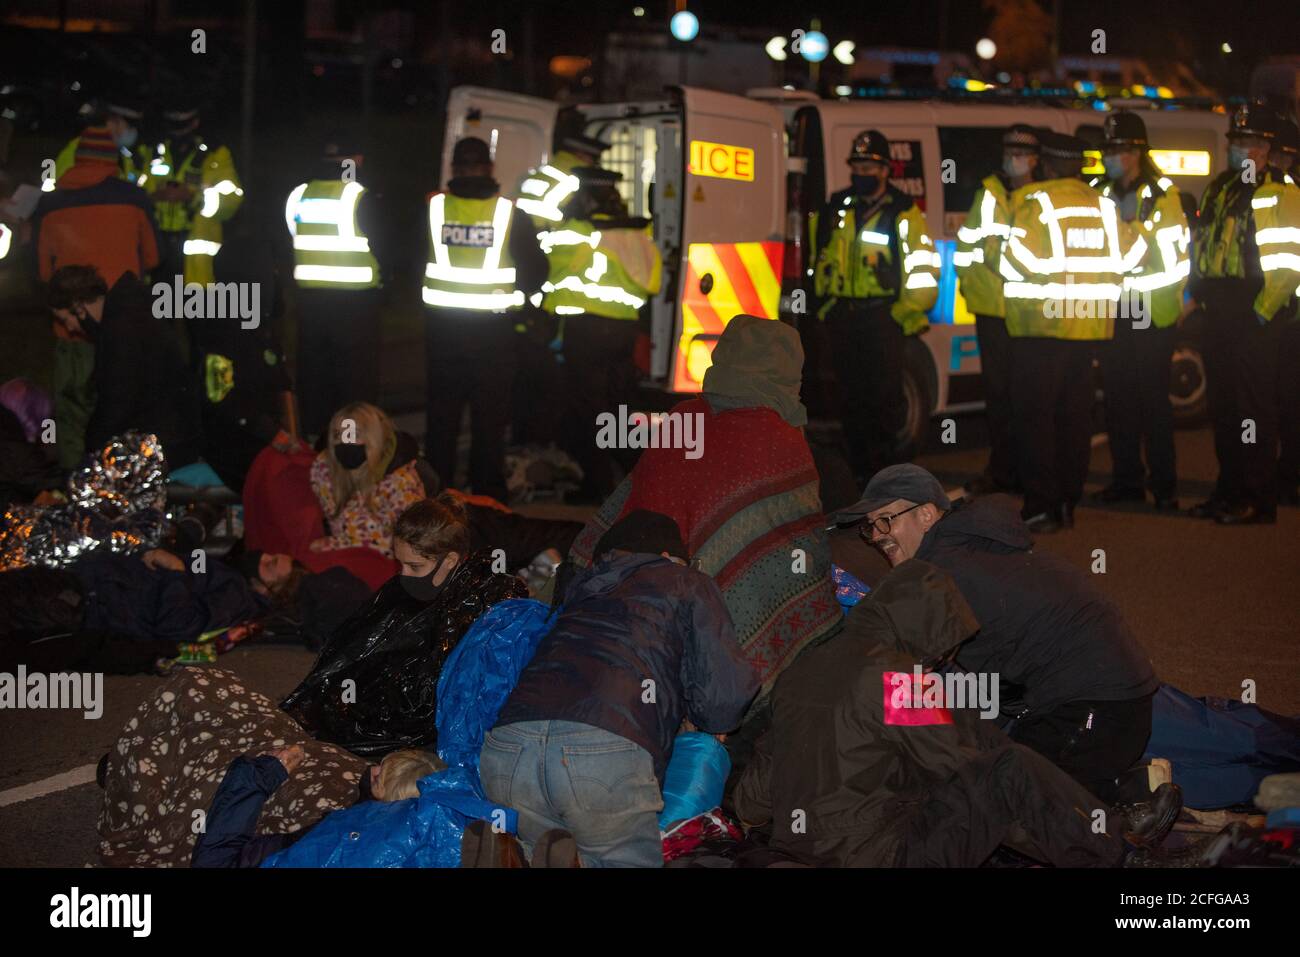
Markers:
point(374, 430)
point(399, 772)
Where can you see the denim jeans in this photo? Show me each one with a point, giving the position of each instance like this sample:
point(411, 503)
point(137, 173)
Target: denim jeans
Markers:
point(599, 786)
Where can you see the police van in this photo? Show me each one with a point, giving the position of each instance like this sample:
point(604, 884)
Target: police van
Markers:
point(731, 181)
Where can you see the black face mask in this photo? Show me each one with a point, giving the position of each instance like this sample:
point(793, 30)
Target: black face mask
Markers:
point(350, 455)
point(421, 587)
point(865, 185)
point(89, 327)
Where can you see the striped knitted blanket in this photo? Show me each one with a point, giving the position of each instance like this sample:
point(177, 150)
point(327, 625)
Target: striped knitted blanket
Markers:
point(749, 512)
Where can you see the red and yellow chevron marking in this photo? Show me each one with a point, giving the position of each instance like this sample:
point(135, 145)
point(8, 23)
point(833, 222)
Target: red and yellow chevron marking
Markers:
point(746, 279)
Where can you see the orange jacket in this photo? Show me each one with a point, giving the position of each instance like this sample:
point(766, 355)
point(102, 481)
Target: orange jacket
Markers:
point(95, 219)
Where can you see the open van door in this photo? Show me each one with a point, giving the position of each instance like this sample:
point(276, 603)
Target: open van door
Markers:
point(517, 129)
point(733, 225)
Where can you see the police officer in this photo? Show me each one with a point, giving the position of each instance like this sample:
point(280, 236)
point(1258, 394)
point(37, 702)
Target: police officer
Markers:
point(1282, 158)
point(979, 243)
point(1062, 263)
point(876, 273)
point(1245, 269)
point(332, 221)
point(1137, 361)
point(483, 261)
point(195, 188)
point(544, 190)
point(604, 266)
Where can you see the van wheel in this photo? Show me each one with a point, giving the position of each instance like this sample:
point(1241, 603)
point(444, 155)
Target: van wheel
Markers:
point(918, 397)
point(1187, 385)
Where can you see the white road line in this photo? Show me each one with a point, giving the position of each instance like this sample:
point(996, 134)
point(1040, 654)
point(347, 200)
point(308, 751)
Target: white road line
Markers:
point(60, 782)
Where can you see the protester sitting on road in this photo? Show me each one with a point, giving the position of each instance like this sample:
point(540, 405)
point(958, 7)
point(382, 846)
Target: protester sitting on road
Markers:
point(141, 380)
point(361, 480)
point(170, 757)
point(230, 838)
point(29, 470)
point(864, 768)
point(373, 688)
point(1062, 648)
point(748, 506)
point(580, 747)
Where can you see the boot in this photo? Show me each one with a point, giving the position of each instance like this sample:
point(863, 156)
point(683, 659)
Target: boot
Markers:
point(481, 846)
point(1113, 494)
point(556, 848)
point(1147, 823)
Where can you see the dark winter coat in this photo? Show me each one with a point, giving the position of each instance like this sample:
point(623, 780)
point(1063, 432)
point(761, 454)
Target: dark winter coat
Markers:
point(141, 379)
point(1043, 625)
point(627, 620)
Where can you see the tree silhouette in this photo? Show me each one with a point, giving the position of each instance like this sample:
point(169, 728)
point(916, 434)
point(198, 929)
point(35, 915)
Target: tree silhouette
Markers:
point(1022, 32)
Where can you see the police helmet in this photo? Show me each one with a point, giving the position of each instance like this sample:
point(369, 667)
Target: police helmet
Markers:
point(1253, 119)
point(1021, 136)
point(869, 145)
point(1062, 146)
point(1288, 136)
point(1125, 129)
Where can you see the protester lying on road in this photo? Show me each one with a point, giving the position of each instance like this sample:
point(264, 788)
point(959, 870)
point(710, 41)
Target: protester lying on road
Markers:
point(373, 688)
point(160, 777)
point(580, 747)
point(310, 605)
point(1060, 646)
point(863, 767)
point(231, 838)
point(362, 483)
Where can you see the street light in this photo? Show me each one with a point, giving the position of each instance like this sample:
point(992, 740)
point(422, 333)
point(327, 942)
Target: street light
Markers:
point(1227, 47)
point(775, 48)
point(685, 26)
point(844, 52)
point(986, 49)
point(814, 47)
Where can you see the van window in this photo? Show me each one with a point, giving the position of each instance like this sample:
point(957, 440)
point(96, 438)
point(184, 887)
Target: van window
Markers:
point(632, 153)
point(977, 152)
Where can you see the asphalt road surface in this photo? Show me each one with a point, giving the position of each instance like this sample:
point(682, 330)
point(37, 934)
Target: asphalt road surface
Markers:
point(1213, 606)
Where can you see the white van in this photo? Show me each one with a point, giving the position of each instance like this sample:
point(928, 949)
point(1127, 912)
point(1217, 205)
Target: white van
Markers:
point(730, 182)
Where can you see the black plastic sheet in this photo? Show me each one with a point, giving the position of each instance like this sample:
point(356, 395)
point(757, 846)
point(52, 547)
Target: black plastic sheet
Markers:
point(373, 688)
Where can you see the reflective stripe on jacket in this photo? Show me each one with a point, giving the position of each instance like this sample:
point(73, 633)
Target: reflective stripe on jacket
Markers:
point(469, 265)
point(1161, 223)
point(217, 196)
point(872, 260)
point(979, 243)
point(1064, 261)
point(329, 249)
point(610, 272)
point(544, 190)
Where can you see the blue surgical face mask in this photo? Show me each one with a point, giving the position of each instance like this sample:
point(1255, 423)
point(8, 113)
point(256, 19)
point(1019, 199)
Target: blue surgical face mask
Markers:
point(1114, 167)
point(865, 185)
point(1237, 156)
point(127, 138)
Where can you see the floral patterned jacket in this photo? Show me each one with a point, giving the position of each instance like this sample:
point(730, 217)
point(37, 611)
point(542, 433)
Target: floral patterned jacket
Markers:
point(363, 523)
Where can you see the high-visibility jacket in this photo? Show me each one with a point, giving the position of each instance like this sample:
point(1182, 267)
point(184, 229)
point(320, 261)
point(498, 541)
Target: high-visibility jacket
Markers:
point(1161, 223)
point(602, 272)
point(329, 249)
point(545, 189)
point(217, 196)
point(1063, 263)
point(132, 165)
point(1250, 232)
point(979, 243)
point(469, 265)
point(888, 256)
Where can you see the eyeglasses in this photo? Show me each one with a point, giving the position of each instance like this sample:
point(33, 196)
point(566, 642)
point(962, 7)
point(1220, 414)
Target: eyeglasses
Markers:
point(882, 524)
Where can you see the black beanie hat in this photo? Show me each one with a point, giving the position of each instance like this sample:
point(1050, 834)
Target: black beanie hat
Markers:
point(645, 532)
